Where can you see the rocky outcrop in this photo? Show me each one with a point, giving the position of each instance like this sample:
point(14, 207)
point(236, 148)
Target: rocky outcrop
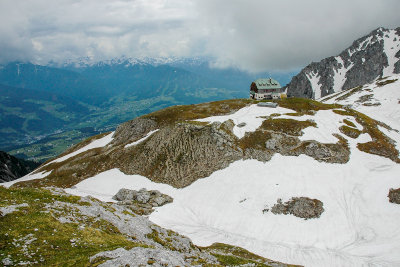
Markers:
point(292, 146)
point(12, 168)
point(361, 63)
point(179, 155)
point(394, 196)
point(142, 201)
point(133, 130)
point(140, 257)
point(95, 233)
point(302, 207)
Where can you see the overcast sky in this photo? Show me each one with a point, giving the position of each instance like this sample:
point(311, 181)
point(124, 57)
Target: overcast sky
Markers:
point(254, 35)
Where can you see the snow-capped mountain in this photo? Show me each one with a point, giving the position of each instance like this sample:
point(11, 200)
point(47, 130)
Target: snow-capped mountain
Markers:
point(370, 57)
point(86, 62)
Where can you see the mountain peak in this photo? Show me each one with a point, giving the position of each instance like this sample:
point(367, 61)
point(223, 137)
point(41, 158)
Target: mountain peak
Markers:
point(368, 58)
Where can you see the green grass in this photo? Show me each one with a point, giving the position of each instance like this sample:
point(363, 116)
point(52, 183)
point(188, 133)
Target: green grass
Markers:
point(51, 240)
point(155, 236)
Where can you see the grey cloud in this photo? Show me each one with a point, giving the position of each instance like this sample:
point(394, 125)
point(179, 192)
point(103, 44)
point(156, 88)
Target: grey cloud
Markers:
point(255, 35)
point(259, 35)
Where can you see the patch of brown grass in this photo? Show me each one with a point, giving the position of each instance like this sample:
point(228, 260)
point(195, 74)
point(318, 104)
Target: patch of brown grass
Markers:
point(383, 83)
point(349, 123)
point(350, 93)
point(381, 144)
point(305, 106)
point(255, 140)
point(287, 126)
point(350, 131)
point(332, 96)
point(174, 114)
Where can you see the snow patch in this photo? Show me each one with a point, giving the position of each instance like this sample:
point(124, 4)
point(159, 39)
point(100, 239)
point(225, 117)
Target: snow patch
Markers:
point(252, 115)
point(314, 79)
point(361, 46)
point(142, 139)
point(94, 144)
point(28, 177)
point(327, 122)
point(105, 185)
point(339, 77)
point(391, 47)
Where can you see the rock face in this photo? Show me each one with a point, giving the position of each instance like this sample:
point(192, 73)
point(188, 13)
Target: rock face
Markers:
point(12, 168)
point(394, 196)
point(180, 154)
point(133, 130)
point(142, 201)
point(372, 56)
point(302, 207)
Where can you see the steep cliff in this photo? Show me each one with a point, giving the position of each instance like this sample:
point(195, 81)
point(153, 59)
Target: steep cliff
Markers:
point(368, 58)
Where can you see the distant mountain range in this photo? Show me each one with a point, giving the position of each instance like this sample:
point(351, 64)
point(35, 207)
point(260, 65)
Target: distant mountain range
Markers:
point(368, 58)
point(39, 103)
